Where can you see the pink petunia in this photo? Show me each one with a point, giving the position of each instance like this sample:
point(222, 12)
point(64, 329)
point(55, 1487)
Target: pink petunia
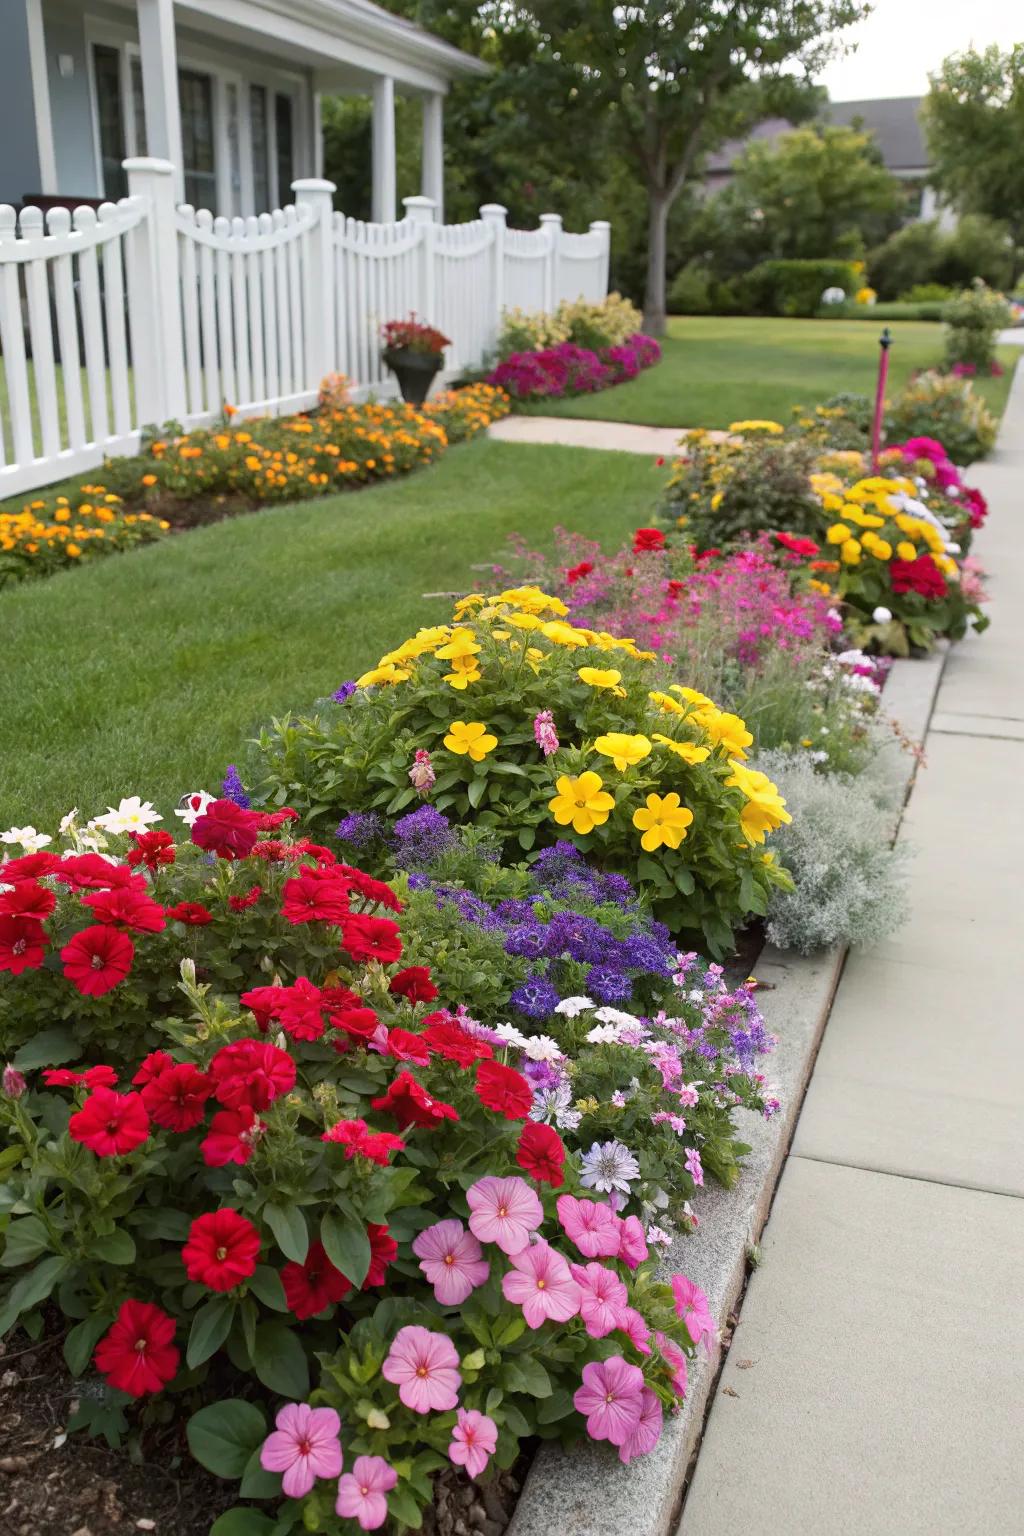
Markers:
point(504, 1211)
point(647, 1432)
point(304, 1446)
point(610, 1399)
point(541, 1283)
point(632, 1243)
point(593, 1227)
point(424, 1367)
point(603, 1298)
point(362, 1493)
point(474, 1440)
point(692, 1306)
point(634, 1326)
point(452, 1260)
point(676, 1361)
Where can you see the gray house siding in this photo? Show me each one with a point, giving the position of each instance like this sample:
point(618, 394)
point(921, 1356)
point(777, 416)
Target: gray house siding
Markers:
point(70, 104)
point(19, 155)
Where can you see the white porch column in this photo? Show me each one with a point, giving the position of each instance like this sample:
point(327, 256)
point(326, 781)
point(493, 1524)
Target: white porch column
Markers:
point(432, 166)
point(159, 57)
point(384, 177)
point(41, 97)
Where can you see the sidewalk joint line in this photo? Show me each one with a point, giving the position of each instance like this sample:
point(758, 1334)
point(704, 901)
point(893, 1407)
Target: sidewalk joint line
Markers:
point(914, 1178)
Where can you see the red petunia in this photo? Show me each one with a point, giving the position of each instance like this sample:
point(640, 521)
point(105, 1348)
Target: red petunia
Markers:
point(313, 1285)
point(221, 1249)
point(383, 1251)
point(371, 938)
point(151, 1066)
point(231, 1138)
point(138, 1355)
point(413, 983)
point(306, 849)
point(541, 1153)
point(358, 1023)
point(31, 866)
point(192, 913)
point(226, 829)
point(798, 546)
point(69, 1077)
point(243, 903)
point(404, 1045)
point(269, 821)
point(265, 1002)
point(504, 1090)
point(410, 1104)
point(370, 889)
point(454, 1044)
point(647, 539)
point(151, 849)
point(251, 1072)
point(576, 573)
point(97, 959)
point(312, 898)
point(337, 999)
point(127, 908)
point(176, 1098)
point(359, 1141)
point(26, 898)
point(110, 1124)
point(22, 944)
point(300, 1010)
point(92, 872)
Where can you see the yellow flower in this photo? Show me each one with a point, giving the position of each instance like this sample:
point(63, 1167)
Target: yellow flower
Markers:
point(594, 677)
point(663, 823)
point(524, 620)
point(470, 738)
point(691, 695)
point(906, 550)
point(820, 586)
point(462, 643)
point(666, 705)
point(755, 426)
point(685, 749)
point(386, 673)
point(581, 802)
point(563, 634)
point(716, 500)
point(838, 533)
point(765, 809)
point(624, 751)
point(727, 731)
point(881, 549)
point(462, 680)
point(851, 552)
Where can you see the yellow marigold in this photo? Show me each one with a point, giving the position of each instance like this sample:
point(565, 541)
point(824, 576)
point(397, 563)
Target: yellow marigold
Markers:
point(463, 642)
point(533, 600)
point(820, 586)
point(851, 552)
point(772, 427)
point(388, 673)
point(906, 550)
point(881, 549)
point(624, 751)
point(470, 738)
point(838, 533)
point(73, 550)
point(581, 802)
point(663, 822)
point(684, 749)
point(564, 634)
point(667, 705)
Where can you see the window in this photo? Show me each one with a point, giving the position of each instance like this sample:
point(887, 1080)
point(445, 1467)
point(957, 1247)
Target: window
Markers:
point(285, 154)
point(195, 94)
point(138, 106)
point(106, 63)
point(260, 148)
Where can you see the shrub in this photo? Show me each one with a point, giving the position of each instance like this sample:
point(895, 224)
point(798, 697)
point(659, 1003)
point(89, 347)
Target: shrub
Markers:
point(974, 319)
point(910, 256)
point(946, 407)
point(557, 727)
point(841, 423)
point(609, 323)
point(53, 532)
point(850, 882)
point(794, 287)
point(927, 293)
point(690, 291)
point(978, 247)
point(756, 480)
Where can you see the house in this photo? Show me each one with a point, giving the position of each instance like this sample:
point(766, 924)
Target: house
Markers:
point(227, 90)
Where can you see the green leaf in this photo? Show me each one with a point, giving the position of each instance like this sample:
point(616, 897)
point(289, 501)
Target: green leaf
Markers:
point(279, 1361)
point(288, 1225)
point(210, 1327)
point(24, 1241)
point(476, 791)
point(522, 1373)
point(558, 1406)
point(49, 1048)
point(82, 1340)
point(223, 1436)
point(117, 1247)
point(402, 1506)
point(265, 1283)
point(31, 1289)
point(347, 1246)
point(161, 1225)
point(242, 1521)
point(258, 1483)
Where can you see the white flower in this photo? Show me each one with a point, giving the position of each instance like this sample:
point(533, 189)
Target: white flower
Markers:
point(882, 615)
point(68, 821)
point(609, 1015)
point(541, 1048)
point(193, 805)
point(132, 815)
point(604, 1034)
point(571, 1006)
point(952, 548)
point(658, 1237)
point(511, 1036)
point(31, 840)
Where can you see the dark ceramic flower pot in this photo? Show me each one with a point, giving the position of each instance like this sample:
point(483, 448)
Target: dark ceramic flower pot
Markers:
point(414, 371)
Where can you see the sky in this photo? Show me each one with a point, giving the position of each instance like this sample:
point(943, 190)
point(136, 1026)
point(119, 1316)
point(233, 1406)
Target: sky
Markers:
point(902, 40)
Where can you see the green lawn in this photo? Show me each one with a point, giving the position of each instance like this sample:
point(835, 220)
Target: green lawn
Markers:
point(716, 370)
point(145, 673)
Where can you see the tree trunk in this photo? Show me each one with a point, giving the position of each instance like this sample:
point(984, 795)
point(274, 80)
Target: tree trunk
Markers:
point(658, 203)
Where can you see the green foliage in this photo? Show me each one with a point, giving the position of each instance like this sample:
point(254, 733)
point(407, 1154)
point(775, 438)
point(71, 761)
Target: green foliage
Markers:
point(605, 324)
point(974, 319)
point(927, 293)
point(922, 260)
point(690, 293)
point(943, 406)
point(794, 287)
point(979, 247)
point(910, 256)
point(720, 492)
point(974, 122)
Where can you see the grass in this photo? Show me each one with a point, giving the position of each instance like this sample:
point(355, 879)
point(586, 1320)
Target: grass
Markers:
point(717, 370)
point(146, 673)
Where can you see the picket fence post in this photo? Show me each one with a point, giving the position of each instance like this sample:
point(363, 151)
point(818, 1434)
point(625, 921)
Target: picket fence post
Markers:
point(551, 223)
point(319, 298)
point(495, 216)
point(603, 228)
point(420, 210)
point(158, 352)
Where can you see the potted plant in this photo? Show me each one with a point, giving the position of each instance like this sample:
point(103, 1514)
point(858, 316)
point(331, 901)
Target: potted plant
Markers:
point(414, 353)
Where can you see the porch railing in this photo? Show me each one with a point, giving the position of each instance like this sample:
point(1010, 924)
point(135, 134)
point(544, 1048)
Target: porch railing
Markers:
point(144, 312)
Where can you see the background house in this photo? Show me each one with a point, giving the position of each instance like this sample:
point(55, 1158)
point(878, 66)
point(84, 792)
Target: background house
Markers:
point(227, 90)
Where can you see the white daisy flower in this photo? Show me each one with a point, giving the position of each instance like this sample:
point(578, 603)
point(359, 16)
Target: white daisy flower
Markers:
point(571, 1006)
point(542, 1048)
point(511, 1036)
point(604, 1034)
point(132, 815)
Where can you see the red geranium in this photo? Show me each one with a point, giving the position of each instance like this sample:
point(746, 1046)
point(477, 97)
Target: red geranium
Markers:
point(226, 830)
point(413, 983)
point(97, 959)
point(383, 1251)
point(126, 907)
point(110, 1124)
point(798, 546)
point(358, 1140)
point(271, 851)
point(231, 1137)
point(26, 898)
point(221, 1249)
point(138, 1355)
point(503, 1090)
point(310, 898)
point(576, 573)
point(192, 913)
point(92, 872)
point(313, 1285)
point(541, 1153)
point(647, 539)
point(305, 849)
point(269, 821)
point(69, 1077)
point(243, 903)
point(176, 1097)
point(251, 1072)
point(453, 1043)
point(369, 888)
point(151, 849)
point(411, 1104)
point(22, 944)
point(371, 938)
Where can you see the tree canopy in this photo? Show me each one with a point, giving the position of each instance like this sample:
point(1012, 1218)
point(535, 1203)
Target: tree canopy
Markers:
point(974, 121)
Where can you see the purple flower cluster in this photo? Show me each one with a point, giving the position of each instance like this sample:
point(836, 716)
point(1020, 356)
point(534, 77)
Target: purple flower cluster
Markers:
point(234, 789)
point(361, 829)
point(571, 370)
point(423, 837)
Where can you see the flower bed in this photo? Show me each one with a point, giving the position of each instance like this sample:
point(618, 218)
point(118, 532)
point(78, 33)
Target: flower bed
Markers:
point(51, 533)
point(568, 369)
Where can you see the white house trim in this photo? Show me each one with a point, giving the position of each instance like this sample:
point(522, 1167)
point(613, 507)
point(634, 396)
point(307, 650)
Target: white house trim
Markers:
point(41, 96)
point(385, 188)
point(159, 54)
point(432, 167)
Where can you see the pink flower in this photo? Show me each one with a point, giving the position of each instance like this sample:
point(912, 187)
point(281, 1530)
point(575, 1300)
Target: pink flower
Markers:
point(421, 774)
point(452, 1260)
point(648, 1428)
point(362, 1492)
point(603, 1298)
point(544, 733)
point(675, 1360)
point(610, 1399)
point(304, 1446)
point(423, 1366)
point(474, 1439)
point(540, 1282)
point(633, 1325)
point(504, 1211)
point(594, 1228)
point(692, 1306)
point(693, 1165)
point(632, 1243)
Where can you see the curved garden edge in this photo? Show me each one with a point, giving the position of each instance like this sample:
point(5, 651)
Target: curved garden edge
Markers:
point(594, 1494)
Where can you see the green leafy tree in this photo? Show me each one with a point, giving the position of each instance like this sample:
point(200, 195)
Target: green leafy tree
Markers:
point(974, 121)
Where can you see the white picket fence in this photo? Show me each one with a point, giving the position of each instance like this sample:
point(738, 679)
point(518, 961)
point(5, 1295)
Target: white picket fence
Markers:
point(142, 312)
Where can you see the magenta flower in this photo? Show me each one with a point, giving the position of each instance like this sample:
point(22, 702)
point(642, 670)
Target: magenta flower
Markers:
point(540, 1282)
point(424, 1367)
point(676, 1361)
point(610, 1399)
point(692, 1306)
point(633, 1324)
point(362, 1492)
point(474, 1439)
point(603, 1298)
point(421, 774)
point(544, 733)
point(593, 1227)
point(647, 1432)
point(452, 1260)
point(632, 1243)
point(693, 1165)
point(504, 1211)
point(304, 1446)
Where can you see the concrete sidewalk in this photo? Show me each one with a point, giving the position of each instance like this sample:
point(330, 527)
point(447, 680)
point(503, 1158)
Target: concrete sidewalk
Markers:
point(874, 1385)
point(623, 436)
